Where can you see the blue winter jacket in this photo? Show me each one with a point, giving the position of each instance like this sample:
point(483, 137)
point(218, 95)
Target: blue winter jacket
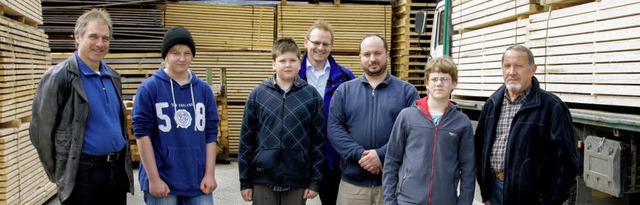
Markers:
point(361, 118)
point(541, 160)
point(338, 75)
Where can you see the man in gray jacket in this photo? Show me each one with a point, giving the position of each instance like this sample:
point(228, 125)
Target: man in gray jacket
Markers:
point(77, 124)
point(361, 115)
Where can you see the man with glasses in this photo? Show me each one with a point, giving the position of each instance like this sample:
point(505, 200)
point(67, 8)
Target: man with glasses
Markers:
point(322, 72)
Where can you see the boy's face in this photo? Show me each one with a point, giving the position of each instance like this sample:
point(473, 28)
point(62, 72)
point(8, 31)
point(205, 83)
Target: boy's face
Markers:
point(440, 85)
point(286, 66)
point(179, 58)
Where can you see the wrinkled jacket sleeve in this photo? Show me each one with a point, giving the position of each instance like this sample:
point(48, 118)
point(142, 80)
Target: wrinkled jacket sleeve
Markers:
point(317, 139)
point(248, 134)
point(393, 161)
point(337, 132)
point(51, 94)
point(467, 164)
point(564, 159)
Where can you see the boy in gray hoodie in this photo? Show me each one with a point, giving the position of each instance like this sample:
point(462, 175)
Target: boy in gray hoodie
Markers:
point(431, 149)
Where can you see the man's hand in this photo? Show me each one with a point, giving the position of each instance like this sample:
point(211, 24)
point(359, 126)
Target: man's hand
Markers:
point(158, 188)
point(370, 161)
point(487, 203)
point(247, 194)
point(310, 194)
point(208, 184)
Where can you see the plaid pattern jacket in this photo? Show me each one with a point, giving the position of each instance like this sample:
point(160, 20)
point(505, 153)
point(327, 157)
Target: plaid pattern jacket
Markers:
point(282, 136)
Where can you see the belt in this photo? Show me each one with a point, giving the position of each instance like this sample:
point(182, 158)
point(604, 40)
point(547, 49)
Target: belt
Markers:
point(499, 175)
point(111, 157)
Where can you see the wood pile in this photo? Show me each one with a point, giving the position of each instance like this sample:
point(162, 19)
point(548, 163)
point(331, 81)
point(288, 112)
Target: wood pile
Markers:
point(24, 57)
point(224, 27)
point(467, 14)
point(586, 53)
point(28, 12)
point(350, 23)
point(589, 53)
point(407, 57)
point(137, 25)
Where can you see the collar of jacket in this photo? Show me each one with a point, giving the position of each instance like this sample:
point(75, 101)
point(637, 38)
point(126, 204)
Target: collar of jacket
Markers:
point(335, 72)
point(297, 82)
point(387, 79)
point(533, 100)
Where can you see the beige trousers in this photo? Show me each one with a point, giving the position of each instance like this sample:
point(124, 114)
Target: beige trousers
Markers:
point(349, 194)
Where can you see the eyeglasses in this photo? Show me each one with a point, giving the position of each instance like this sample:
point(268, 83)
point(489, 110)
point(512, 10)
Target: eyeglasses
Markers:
point(441, 79)
point(317, 43)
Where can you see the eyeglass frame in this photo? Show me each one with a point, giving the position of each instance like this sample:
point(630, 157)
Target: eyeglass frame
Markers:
point(316, 43)
point(439, 79)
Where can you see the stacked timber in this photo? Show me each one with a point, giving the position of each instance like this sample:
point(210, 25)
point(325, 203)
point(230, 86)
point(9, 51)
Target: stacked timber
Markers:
point(24, 57)
point(224, 27)
point(223, 126)
point(589, 53)
point(350, 23)
point(137, 25)
point(484, 30)
point(407, 55)
point(586, 53)
point(28, 12)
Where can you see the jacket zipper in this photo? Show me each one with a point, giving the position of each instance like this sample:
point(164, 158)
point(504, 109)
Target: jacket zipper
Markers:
point(433, 155)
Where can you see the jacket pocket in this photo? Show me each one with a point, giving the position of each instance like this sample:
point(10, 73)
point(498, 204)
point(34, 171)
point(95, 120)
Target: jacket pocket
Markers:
point(295, 164)
point(62, 146)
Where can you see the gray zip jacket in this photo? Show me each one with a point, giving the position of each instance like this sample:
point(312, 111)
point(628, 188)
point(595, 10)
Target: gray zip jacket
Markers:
point(425, 162)
point(58, 121)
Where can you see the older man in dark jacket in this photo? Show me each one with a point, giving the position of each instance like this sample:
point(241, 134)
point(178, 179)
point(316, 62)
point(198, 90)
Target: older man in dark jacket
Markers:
point(525, 145)
point(77, 124)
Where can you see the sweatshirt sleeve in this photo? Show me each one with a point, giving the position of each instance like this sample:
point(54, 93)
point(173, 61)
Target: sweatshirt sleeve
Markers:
point(248, 134)
point(466, 160)
point(211, 126)
point(337, 132)
point(143, 117)
point(393, 160)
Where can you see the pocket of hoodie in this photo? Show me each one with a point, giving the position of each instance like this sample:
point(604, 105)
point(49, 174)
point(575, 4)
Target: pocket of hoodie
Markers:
point(297, 163)
point(183, 165)
point(403, 178)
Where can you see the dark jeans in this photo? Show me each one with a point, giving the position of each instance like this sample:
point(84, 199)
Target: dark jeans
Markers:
point(497, 193)
point(100, 182)
point(329, 185)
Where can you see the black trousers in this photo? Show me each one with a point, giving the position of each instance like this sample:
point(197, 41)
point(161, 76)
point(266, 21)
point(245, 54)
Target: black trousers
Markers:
point(329, 185)
point(100, 182)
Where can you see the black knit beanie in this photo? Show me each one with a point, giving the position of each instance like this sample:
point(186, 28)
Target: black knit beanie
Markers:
point(174, 36)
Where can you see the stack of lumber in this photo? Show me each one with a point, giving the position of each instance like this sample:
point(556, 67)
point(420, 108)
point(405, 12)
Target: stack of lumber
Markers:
point(407, 56)
point(223, 127)
point(22, 178)
point(589, 53)
point(350, 23)
point(224, 27)
point(133, 146)
point(478, 54)
point(467, 14)
point(28, 12)
point(133, 67)
point(23, 60)
point(137, 26)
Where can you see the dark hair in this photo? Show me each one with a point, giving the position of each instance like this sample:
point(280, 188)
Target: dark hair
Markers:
point(283, 45)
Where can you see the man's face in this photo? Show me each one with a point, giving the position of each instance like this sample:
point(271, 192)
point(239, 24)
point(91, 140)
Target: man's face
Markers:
point(318, 45)
point(516, 71)
point(93, 45)
point(287, 66)
point(373, 56)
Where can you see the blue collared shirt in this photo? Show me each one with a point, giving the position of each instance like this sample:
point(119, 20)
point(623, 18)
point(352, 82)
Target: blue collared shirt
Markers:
point(319, 82)
point(103, 132)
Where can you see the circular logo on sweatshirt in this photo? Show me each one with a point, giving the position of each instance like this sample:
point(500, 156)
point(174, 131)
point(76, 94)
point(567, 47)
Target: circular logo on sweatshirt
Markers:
point(182, 118)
